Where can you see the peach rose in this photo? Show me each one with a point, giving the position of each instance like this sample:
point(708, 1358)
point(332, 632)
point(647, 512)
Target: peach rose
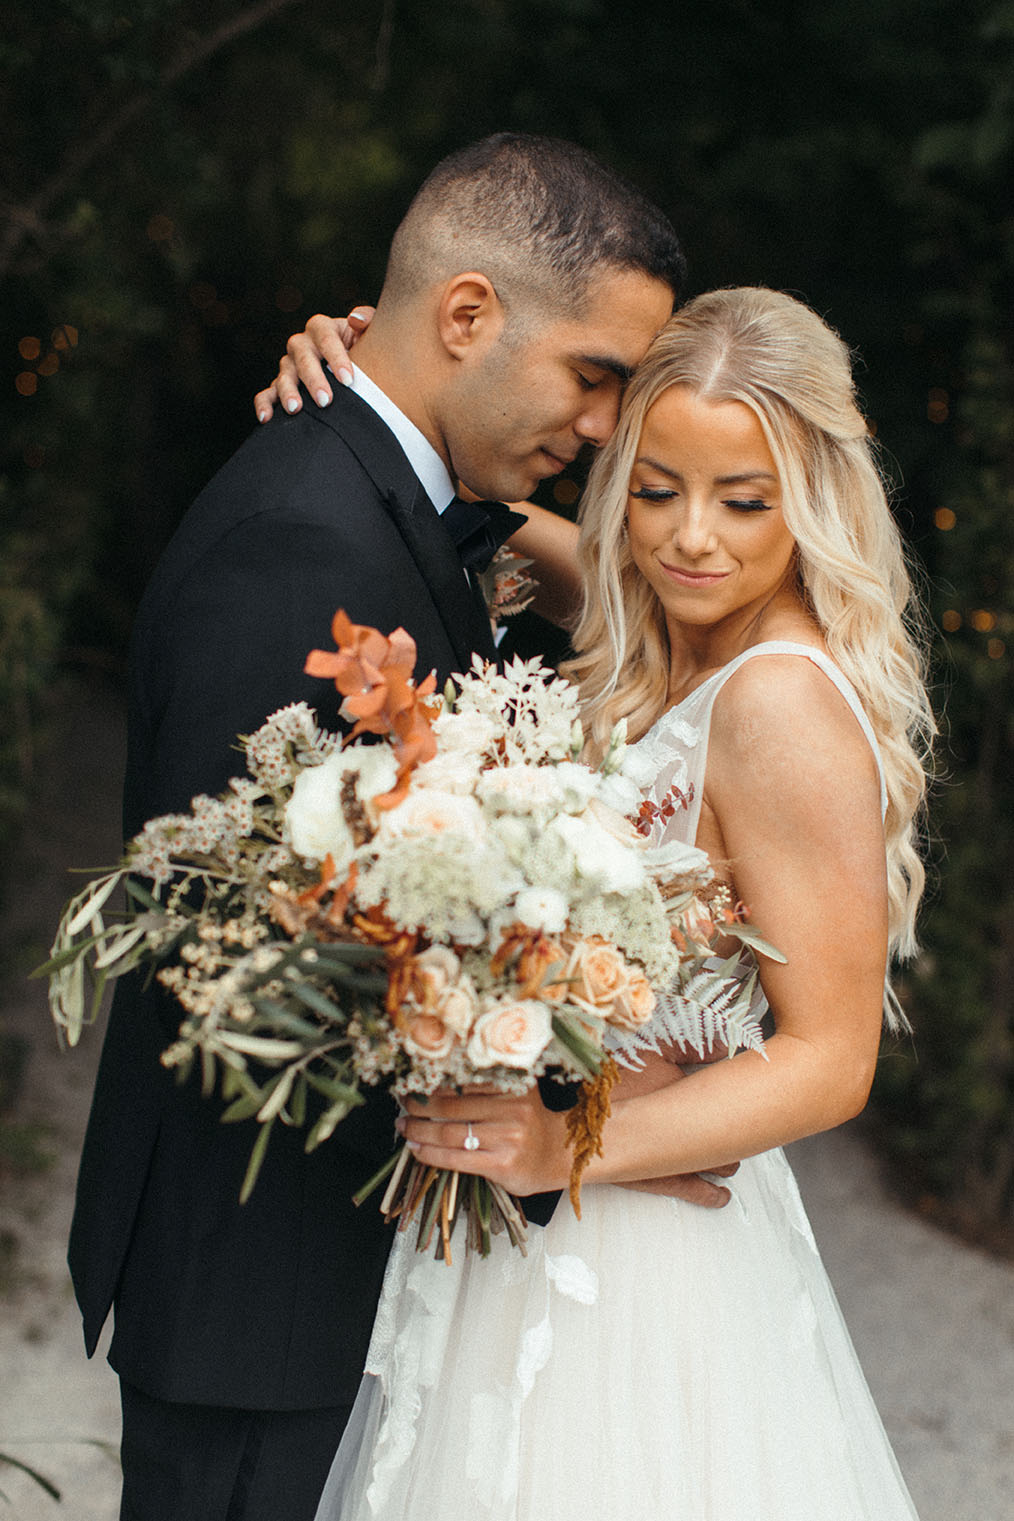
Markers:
point(426, 1036)
point(511, 1034)
point(600, 969)
point(458, 1005)
point(435, 970)
point(636, 1003)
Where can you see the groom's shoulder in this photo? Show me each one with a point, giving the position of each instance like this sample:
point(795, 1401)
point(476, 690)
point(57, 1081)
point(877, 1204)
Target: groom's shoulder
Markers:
point(300, 462)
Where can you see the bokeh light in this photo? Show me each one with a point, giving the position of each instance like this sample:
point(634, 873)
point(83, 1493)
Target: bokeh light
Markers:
point(938, 405)
point(160, 228)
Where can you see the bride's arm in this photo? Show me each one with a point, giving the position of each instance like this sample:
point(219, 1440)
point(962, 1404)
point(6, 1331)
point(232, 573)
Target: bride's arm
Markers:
point(548, 540)
point(793, 785)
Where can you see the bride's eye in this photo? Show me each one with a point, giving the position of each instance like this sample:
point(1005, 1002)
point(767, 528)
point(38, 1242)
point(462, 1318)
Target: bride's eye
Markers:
point(653, 494)
point(751, 504)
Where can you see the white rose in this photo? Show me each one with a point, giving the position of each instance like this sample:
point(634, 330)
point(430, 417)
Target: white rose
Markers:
point(676, 859)
point(601, 860)
point(453, 772)
point(430, 812)
point(511, 1034)
point(518, 788)
point(542, 908)
point(619, 793)
point(469, 732)
point(616, 824)
point(574, 785)
point(314, 823)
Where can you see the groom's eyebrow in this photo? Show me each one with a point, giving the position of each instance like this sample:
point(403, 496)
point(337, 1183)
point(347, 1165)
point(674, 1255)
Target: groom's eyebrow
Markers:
point(606, 362)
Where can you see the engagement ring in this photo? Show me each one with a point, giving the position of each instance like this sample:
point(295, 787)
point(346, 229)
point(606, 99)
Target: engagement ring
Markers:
point(471, 1142)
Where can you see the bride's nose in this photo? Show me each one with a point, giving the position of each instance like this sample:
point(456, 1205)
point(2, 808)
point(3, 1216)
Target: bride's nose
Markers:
point(694, 533)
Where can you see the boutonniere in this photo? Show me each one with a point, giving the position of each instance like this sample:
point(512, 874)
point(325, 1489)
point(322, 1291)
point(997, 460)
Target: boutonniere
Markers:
point(506, 586)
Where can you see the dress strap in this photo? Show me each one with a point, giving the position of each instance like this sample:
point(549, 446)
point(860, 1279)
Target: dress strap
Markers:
point(692, 716)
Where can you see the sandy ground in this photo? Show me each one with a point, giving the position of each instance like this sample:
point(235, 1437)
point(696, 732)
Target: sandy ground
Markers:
point(933, 1320)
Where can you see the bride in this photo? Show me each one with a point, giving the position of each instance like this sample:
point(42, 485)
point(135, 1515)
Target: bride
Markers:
point(745, 610)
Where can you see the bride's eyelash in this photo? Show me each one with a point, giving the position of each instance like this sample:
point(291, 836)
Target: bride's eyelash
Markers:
point(748, 504)
point(653, 494)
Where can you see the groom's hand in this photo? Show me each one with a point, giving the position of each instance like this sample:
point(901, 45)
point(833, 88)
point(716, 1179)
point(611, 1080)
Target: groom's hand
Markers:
point(658, 1072)
point(691, 1187)
point(324, 340)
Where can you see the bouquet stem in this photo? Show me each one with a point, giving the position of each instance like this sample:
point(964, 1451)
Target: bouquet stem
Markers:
point(434, 1197)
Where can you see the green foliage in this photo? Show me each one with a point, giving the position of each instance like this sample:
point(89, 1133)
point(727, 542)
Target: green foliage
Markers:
point(185, 183)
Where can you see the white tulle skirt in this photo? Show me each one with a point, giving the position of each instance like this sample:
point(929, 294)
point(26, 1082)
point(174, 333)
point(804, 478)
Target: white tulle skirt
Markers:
point(655, 1360)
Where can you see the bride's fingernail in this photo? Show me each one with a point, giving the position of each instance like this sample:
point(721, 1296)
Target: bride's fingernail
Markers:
point(360, 316)
point(292, 406)
point(262, 417)
point(399, 1124)
point(345, 376)
point(323, 399)
point(413, 1146)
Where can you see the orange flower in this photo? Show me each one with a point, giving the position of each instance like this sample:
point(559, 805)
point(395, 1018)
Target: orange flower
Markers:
point(374, 676)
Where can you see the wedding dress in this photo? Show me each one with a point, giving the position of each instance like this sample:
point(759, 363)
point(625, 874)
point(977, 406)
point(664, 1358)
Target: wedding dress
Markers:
point(653, 1362)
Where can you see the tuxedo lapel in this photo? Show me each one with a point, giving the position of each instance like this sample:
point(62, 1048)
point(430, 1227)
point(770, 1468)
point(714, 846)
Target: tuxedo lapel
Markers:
point(461, 609)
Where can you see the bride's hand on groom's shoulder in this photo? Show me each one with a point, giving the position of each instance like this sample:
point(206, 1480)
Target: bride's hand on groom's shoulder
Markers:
point(324, 340)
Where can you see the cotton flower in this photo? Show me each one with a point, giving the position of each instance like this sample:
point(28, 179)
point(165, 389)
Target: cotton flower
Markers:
point(542, 908)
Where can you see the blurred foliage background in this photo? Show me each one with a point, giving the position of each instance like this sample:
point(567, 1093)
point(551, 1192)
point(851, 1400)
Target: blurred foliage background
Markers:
point(183, 183)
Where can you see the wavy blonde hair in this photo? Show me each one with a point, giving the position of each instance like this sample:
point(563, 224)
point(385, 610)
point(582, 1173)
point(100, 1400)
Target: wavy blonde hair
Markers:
point(776, 356)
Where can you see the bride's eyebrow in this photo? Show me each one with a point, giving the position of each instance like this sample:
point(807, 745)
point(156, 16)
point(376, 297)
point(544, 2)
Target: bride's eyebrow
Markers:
point(655, 464)
point(740, 479)
point(746, 475)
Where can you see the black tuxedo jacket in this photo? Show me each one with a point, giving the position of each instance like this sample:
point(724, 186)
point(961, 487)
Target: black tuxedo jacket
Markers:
point(269, 1304)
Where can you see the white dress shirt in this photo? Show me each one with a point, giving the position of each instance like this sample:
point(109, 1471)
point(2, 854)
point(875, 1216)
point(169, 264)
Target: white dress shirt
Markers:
point(424, 459)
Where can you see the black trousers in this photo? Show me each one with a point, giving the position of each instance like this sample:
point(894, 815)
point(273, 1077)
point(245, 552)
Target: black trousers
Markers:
point(207, 1463)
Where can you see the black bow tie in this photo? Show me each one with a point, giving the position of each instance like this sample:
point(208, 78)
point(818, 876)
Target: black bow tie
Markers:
point(479, 528)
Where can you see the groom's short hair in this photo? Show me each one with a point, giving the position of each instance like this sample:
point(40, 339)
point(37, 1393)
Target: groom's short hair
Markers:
point(540, 217)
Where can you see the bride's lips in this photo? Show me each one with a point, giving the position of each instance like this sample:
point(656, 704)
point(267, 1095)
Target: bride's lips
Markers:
point(696, 578)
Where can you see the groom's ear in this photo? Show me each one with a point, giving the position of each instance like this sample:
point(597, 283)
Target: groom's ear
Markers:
point(469, 316)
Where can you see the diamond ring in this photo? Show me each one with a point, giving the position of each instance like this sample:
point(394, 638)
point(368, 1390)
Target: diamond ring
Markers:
point(471, 1141)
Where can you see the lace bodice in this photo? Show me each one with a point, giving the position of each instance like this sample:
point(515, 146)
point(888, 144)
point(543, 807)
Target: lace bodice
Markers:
point(674, 752)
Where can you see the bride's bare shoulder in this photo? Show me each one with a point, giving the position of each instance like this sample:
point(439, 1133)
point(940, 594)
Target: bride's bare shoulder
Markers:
point(781, 720)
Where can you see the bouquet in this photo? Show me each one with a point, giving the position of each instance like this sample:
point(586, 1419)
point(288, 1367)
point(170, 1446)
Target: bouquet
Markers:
point(449, 896)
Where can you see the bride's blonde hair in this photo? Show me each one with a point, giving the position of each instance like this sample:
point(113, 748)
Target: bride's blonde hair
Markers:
point(776, 356)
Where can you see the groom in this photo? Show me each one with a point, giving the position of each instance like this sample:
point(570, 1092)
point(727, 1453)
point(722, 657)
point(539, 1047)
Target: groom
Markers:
point(523, 286)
